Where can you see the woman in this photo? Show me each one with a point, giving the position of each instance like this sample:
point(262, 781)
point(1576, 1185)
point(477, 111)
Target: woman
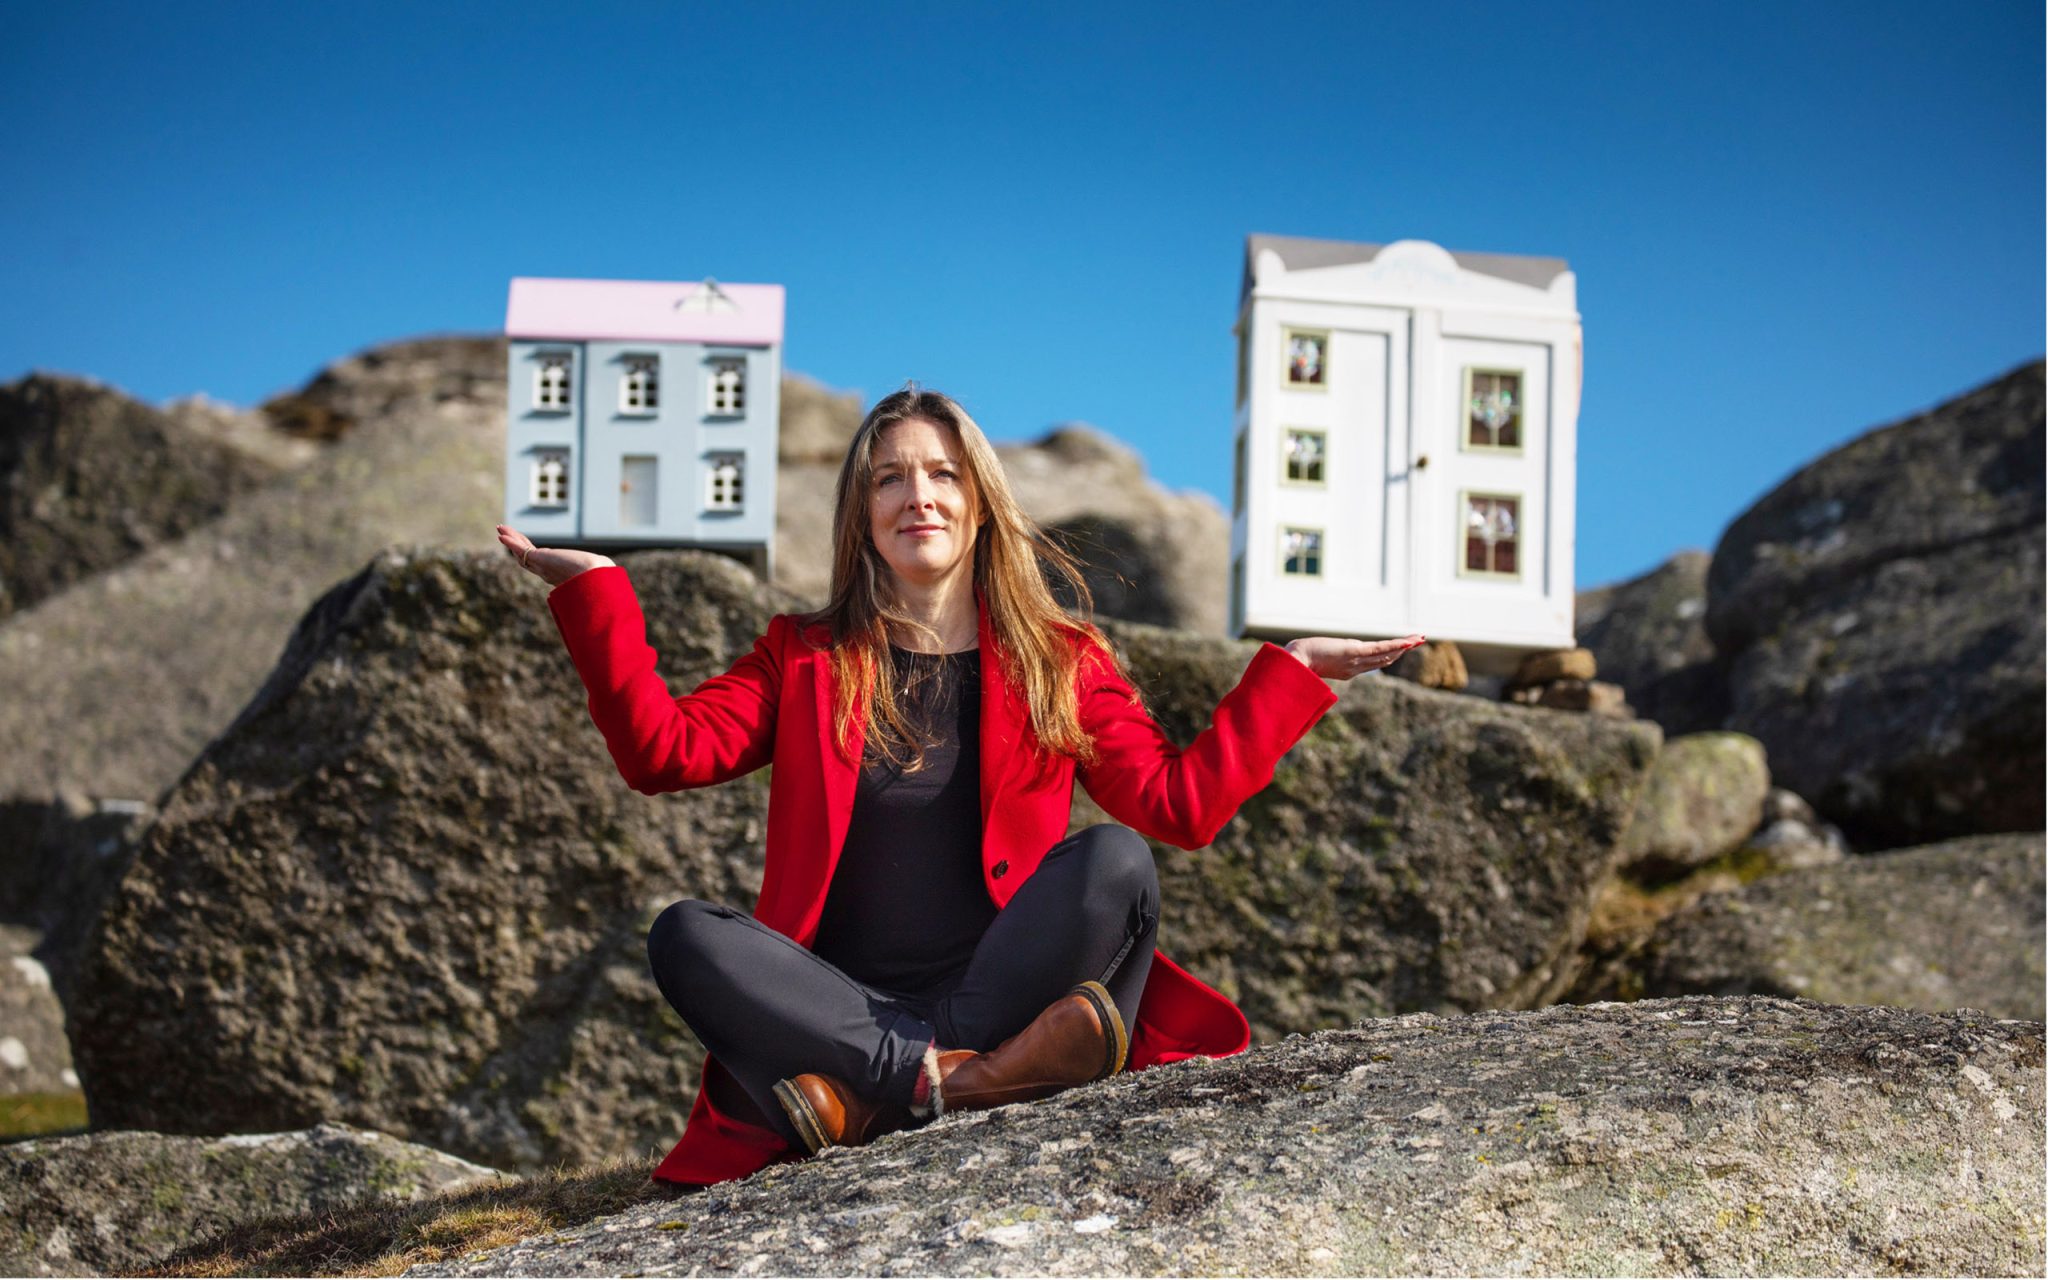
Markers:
point(924, 939)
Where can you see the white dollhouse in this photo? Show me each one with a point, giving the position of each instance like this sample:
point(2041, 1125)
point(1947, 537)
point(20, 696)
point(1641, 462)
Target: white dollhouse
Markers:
point(644, 413)
point(1406, 444)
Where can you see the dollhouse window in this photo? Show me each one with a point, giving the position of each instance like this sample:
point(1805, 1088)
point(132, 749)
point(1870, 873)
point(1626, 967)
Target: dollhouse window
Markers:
point(1305, 456)
point(1493, 538)
point(1237, 594)
point(1301, 552)
point(548, 482)
point(727, 388)
point(1493, 409)
point(1308, 365)
point(551, 382)
point(725, 483)
point(1244, 359)
point(640, 388)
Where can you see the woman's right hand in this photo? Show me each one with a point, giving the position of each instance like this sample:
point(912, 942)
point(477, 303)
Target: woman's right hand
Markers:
point(554, 565)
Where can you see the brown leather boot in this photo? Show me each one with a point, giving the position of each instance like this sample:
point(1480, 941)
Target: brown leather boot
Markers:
point(1080, 1037)
point(828, 1114)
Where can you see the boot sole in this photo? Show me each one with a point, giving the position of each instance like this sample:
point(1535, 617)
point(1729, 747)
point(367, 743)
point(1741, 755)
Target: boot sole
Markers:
point(1117, 1044)
point(801, 1115)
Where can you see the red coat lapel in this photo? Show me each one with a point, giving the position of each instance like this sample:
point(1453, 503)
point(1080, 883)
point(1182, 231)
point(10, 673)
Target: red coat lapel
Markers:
point(838, 774)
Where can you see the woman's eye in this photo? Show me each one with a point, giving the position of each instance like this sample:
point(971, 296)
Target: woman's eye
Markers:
point(886, 480)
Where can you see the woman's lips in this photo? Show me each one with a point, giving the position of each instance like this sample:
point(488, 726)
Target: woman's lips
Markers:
point(925, 532)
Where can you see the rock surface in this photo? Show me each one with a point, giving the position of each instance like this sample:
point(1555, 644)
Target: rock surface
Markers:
point(1437, 664)
point(61, 858)
point(90, 478)
point(817, 423)
point(407, 888)
point(1793, 837)
point(134, 669)
point(1880, 613)
point(1948, 926)
point(1417, 850)
point(111, 1203)
point(1721, 1137)
point(1705, 794)
point(1554, 664)
point(34, 1055)
point(1649, 636)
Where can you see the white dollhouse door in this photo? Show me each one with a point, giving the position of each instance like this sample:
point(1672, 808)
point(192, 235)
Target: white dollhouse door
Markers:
point(1481, 506)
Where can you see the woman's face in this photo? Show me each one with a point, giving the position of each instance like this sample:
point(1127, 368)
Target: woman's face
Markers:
point(922, 511)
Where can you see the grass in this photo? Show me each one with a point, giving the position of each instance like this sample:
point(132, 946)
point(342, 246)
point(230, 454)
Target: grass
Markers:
point(41, 1115)
point(383, 1237)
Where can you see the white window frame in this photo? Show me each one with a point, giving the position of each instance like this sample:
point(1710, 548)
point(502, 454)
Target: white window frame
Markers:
point(1521, 377)
point(549, 472)
point(1521, 535)
point(545, 363)
point(641, 381)
point(725, 491)
point(1322, 552)
point(1288, 334)
point(1287, 475)
point(715, 405)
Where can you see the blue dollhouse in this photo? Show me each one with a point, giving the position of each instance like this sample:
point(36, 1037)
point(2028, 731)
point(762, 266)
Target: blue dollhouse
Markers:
point(643, 413)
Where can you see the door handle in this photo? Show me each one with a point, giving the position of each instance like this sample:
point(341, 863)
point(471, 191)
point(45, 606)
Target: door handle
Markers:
point(1422, 463)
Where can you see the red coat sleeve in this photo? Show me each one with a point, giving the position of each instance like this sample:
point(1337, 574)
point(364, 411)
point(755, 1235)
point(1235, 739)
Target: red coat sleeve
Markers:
point(722, 729)
point(1185, 796)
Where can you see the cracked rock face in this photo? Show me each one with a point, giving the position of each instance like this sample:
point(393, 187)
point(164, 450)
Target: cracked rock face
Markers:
point(1880, 615)
point(114, 1202)
point(1695, 1136)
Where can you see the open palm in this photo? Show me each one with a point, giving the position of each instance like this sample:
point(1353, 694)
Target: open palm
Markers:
point(553, 565)
point(1335, 658)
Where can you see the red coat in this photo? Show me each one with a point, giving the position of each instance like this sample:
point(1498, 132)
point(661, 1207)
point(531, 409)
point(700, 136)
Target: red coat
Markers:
point(776, 704)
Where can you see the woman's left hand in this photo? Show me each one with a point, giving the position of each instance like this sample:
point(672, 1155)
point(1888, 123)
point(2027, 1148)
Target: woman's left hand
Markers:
point(1336, 659)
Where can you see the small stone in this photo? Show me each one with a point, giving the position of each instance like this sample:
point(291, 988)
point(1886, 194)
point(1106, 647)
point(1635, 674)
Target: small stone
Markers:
point(1560, 664)
point(1437, 664)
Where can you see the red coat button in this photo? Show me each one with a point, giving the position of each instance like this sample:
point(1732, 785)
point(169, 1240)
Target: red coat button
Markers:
point(1001, 869)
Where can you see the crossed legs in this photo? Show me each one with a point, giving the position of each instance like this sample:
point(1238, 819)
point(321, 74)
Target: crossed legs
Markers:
point(768, 1009)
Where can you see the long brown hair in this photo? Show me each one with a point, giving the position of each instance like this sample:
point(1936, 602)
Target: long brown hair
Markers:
point(1012, 560)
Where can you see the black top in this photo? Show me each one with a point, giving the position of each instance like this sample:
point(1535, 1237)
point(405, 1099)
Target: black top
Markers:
point(906, 906)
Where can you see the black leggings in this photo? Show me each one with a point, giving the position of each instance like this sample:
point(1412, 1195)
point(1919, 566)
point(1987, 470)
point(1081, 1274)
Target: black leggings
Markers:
point(767, 1009)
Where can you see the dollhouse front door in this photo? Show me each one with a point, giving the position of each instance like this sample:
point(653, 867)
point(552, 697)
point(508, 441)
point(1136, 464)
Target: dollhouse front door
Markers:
point(1482, 504)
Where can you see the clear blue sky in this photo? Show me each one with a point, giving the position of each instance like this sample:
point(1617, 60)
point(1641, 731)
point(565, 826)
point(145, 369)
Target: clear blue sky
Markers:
point(1790, 222)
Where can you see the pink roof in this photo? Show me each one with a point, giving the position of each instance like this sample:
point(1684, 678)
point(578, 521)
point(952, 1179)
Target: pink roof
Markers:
point(642, 311)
